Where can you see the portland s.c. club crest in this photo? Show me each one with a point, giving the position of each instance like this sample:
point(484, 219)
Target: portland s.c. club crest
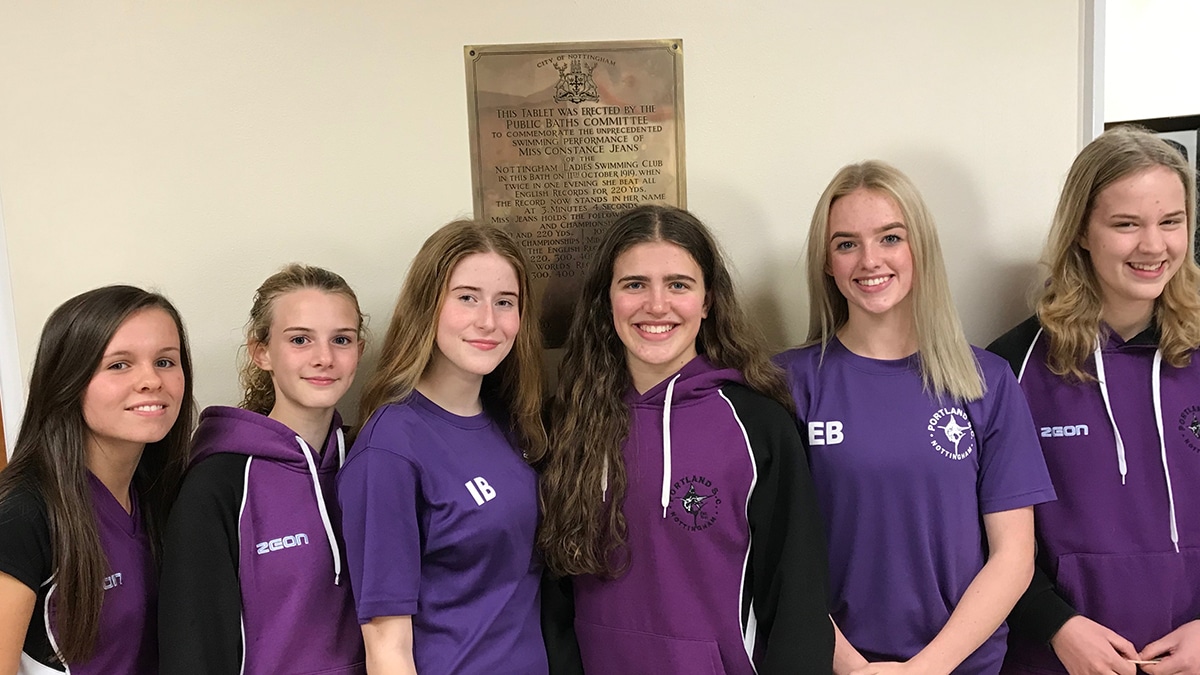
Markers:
point(694, 503)
point(1189, 427)
point(575, 83)
point(951, 433)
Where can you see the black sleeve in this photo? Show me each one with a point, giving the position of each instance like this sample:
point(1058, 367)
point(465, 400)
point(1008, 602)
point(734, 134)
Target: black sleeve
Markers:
point(789, 563)
point(199, 601)
point(1041, 611)
point(25, 552)
point(558, 625)
point(1014, 345)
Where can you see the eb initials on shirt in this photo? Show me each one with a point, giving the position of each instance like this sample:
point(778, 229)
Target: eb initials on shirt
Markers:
point(480, 490)
point(825, 433)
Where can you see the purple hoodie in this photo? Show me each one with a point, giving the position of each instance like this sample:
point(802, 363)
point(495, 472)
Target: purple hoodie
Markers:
point(1121, 545)
point(726, 558)
point(253, 576)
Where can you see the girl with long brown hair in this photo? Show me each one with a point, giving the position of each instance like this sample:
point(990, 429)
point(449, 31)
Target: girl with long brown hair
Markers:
point(252, 577)
point(439, 506)
point(675, 491)
point(97, 463)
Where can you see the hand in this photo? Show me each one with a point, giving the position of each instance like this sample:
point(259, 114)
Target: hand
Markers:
point(1179, 651)
point(1087, 648)
point(885, 668)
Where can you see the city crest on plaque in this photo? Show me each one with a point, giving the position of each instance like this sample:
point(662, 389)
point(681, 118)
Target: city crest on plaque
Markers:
point(575, 85)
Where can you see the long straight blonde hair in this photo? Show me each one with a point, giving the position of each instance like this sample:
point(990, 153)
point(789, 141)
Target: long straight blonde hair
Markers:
point(947, 365)
point(1069, 306)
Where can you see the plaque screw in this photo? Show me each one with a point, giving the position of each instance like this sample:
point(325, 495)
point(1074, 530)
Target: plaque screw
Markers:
point(472, 52)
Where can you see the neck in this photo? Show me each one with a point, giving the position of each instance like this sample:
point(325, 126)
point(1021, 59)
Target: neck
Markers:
point(114, 466)
point(310, 424)
point(888, 336)
point(1128, 319)
point(451, 389)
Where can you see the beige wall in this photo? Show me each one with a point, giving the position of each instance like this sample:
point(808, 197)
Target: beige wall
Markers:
point(195, 147)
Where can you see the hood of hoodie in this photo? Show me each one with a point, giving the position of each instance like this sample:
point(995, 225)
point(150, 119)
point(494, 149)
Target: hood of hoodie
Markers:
point(697, 380)
point(242, 432)
point(224, 429)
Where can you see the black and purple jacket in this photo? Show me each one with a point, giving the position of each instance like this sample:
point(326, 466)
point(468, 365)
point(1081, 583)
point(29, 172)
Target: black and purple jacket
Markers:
point(727, 562)
point(1121, 545)
point(253, 577)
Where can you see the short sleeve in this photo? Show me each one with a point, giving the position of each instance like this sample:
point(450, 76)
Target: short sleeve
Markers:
point(379, 492)
point(1012, 470)
point(25, 539)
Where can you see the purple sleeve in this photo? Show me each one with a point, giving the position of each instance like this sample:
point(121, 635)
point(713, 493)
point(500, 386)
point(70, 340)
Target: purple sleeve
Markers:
point(1012, 472)
point(379, 492)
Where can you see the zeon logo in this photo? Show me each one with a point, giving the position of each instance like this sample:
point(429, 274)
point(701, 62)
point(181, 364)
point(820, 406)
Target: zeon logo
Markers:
point(950, 433)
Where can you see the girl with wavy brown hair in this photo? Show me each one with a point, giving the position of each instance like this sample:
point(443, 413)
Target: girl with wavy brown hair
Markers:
point(439, 505)
point(675, 492)
point(1108, 365)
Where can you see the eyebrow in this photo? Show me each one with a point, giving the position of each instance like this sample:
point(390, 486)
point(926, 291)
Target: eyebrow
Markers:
point(885, 228)
point(1130, 216)
point(126, 352)
point(304, 329)
point(477, 289)
point(669, 277)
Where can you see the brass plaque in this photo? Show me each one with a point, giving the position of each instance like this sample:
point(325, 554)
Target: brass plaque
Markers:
point(564, 136)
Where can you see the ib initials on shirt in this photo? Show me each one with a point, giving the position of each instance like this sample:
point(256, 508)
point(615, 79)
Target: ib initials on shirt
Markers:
point(481, 491)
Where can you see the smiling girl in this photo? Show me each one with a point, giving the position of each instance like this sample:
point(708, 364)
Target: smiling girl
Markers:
point(675, 493)
point(922, 450)
point(1108, 364)
point(439, 506)
point(96, 465)
point(252, 579)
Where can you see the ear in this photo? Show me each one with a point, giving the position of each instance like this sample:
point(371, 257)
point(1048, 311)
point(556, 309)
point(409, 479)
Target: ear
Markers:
point(707, 304)
point(1083, 241)
point(259, 355)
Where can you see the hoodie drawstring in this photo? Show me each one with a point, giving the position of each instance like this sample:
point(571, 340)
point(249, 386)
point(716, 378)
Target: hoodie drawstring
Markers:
point(312, 471)
point(1155, 384)
point(666, 446)
point(604, 480)
point(1108, 407)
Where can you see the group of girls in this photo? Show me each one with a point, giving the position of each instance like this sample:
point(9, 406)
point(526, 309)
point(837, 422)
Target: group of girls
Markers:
point(878, 500)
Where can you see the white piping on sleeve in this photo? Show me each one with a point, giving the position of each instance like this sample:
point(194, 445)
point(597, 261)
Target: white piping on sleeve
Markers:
point(750, 628)
point(46, 620)
point(1156, 387)
point(242, 510)
point(666, 446)
point(1025, 361)
point(1108, 408)
point(333, 545)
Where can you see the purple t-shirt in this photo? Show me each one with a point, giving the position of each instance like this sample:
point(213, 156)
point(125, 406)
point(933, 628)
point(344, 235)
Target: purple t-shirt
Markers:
point(128, 640)
point(903, 479)
point(439, 513)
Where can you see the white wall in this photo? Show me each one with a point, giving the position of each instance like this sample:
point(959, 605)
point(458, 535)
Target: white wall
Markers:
point(1150, 59)
point(195, 147)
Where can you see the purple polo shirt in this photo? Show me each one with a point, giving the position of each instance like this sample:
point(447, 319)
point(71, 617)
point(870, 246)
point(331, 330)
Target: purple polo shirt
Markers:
point(439, 515)
point(903, 479)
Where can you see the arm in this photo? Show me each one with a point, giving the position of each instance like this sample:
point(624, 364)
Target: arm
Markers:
point(1041, 611)
point(389, 645)
point(987, 599)
point(789, 573)
point(16, 609)
point(199, 600)
point(558, 625)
